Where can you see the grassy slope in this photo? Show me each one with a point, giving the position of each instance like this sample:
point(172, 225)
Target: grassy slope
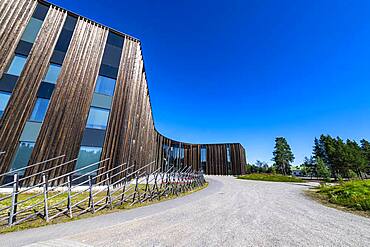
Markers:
point(353, 194)
point(270, 177)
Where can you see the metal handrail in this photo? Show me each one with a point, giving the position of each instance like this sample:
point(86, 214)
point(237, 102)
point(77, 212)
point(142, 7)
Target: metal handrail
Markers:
point(109, 170)
point(44, 171)
point(80, 169)
point(35, 164)
point(175, 180)
point(74, 179)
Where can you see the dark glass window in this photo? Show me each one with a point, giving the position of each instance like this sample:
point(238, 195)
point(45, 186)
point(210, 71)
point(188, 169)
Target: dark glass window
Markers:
point(98, 118)
point(40, 11)
point(64, 40)
point(4, 99)
point(22, 156)
point(17, 65)
point(39, 111)
point(53, 73)
point(115, 40)
point(31, 31)
point(88, 156)
point(112, 56)
point(105, 85)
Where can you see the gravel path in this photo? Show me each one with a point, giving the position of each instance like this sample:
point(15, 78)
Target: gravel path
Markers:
point(229, 212)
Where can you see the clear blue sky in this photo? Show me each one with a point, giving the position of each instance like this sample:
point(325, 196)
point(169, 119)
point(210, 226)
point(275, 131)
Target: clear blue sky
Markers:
point(248, 71)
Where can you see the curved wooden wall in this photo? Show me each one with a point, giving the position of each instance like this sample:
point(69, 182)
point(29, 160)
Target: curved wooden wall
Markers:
point(130, 136)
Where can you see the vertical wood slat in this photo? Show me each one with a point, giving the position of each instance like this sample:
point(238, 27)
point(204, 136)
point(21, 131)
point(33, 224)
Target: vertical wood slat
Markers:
point(14, 16)
point(24, 94)
point(70, 103)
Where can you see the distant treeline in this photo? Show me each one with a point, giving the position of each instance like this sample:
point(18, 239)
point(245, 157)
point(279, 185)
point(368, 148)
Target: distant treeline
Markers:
point(338, 158)
point(331, 157)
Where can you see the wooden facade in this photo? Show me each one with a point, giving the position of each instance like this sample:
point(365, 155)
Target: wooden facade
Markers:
point(130, 135)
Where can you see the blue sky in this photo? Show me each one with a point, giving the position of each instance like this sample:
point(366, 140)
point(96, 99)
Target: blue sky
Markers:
point(248, 71)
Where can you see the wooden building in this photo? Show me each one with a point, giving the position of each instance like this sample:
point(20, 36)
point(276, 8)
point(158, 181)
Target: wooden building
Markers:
point(70, 86)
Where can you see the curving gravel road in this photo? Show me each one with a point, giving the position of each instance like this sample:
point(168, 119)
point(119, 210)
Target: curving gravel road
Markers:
point(229, 212)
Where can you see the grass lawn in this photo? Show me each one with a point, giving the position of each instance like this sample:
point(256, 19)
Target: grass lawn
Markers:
point(354, 195)
point(270, 177)
point(38, 221)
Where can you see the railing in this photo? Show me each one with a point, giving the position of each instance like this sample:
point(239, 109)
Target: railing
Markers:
point(88, 189)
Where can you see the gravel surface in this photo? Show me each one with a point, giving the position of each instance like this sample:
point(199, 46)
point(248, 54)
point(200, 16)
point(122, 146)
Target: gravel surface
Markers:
point(229, 212)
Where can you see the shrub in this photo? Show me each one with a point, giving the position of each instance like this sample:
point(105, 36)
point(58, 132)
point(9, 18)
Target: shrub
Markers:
point(353, 194)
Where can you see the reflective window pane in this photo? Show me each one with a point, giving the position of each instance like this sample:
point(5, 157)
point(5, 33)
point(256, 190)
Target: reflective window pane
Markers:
point(229, 169)
point(39, 111)
point(98, 118)
point(53, 73)
point(105, 85)
point(22, 156)
point(88, 156)
point(4, 98)
point(17, 65)
point(31, 31)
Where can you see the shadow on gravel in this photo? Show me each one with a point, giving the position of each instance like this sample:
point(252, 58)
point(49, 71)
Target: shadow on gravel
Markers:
point(305, 185)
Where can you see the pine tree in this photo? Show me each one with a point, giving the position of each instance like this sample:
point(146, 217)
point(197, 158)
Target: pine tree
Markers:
point(309, 166)
point(283, 156)
point(365, 148)
point(322, 170)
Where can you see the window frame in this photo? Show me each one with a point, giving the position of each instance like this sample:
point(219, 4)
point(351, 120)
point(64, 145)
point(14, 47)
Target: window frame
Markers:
point(101, 109)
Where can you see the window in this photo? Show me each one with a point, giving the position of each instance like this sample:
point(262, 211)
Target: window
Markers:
point(105, 85)
point(88, 156)
point(17, 65)
point(98, 118)
point(228, 153)
point(39, 110)
point(203, 158)
point(203, 154)
point(31, 31)
point(22, 156)
point(4, 98)
point(229, 169)
point(53, 73)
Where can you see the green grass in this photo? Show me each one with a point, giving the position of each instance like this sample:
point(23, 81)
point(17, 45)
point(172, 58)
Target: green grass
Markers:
point(270, 177)
point(38, 221)
point(353, 194)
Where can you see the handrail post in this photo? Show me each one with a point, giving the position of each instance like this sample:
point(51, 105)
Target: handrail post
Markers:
point(123, 189)
point(91, 199)
point(69, 203)
point(109, 195)
point(45, 188)
point(155, 187)
point(136, 188)
point(13, 209)
point(145, 195)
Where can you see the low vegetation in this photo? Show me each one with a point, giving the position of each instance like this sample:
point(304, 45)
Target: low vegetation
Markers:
point(352, 194)
point(270, 177)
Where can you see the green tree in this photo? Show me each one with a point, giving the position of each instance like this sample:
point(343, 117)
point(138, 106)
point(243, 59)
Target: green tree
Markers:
point(309, 166)
point(355, 159)
point(365, 148)
point(283, 156)
point(322, 170)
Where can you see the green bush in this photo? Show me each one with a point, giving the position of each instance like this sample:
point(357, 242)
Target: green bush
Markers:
point(270, 177)
point(353, 194)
